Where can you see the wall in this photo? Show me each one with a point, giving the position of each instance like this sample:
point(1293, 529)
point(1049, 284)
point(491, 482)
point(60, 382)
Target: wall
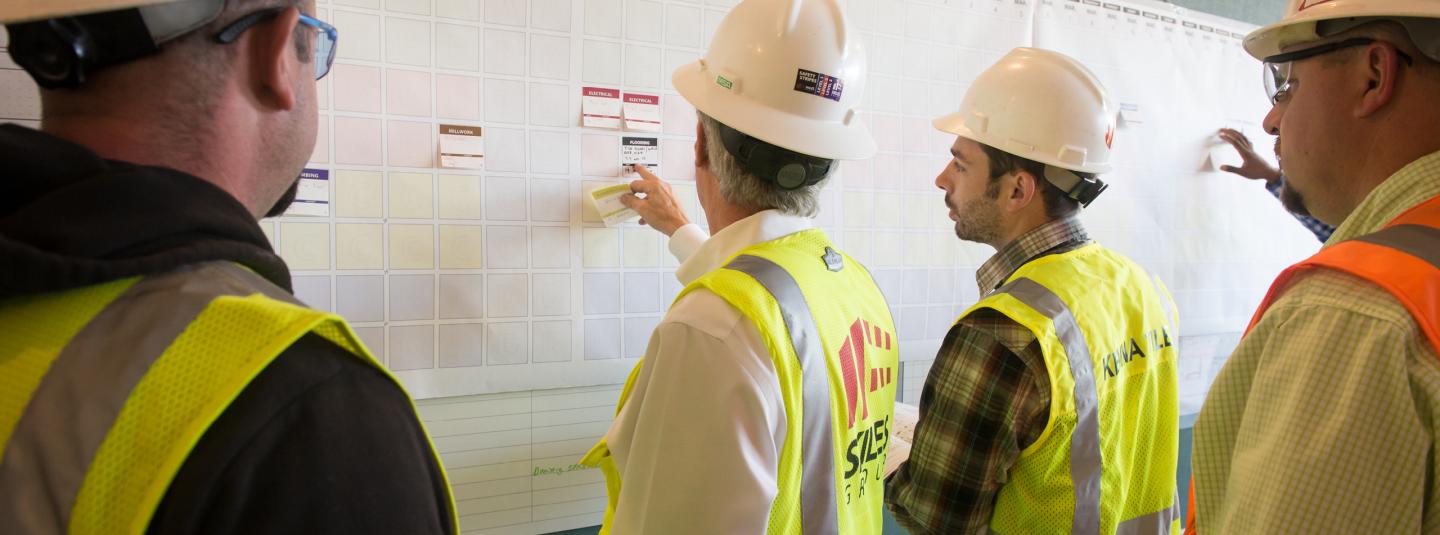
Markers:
point(497, 296)
point(1258, 12)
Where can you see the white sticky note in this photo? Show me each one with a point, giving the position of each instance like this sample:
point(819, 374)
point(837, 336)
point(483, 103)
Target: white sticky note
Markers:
point(608, 205)
point(462, 147)
point(600, 107)
point(1131, 114)
point(312, 194)
point(642, 112)
point(639, 150)
point(1223, 154)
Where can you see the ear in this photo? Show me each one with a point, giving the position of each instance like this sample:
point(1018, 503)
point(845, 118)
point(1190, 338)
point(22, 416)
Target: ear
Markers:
point(702, 156)
point(1024, 190)
point(1381, 64)
point(273, 63)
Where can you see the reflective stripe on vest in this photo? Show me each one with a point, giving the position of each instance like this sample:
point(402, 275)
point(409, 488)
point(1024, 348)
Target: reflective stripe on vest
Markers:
point(84, 390)
point(1157, 522)
point(1418, 241)
point(1085, 462)
point(818, 513)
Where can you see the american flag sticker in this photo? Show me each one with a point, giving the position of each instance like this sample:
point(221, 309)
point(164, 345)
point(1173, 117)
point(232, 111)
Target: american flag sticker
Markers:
point(820, 85)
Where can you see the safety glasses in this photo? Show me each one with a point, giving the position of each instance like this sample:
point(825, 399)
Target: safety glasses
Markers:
point(325, 38)
point(1277, 67)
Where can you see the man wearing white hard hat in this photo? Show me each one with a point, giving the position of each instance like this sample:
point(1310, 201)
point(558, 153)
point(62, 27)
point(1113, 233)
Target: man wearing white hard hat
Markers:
point(1323, 420)
point(764, 401)
point(1052, 405)
point(158, 376)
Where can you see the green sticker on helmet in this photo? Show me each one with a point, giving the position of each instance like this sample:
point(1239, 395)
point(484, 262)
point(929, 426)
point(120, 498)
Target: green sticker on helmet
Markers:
point(723, 82)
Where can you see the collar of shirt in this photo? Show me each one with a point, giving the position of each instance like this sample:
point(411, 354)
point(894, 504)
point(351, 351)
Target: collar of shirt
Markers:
point(761, 227)
point(1038, 241)
point(1411, 185)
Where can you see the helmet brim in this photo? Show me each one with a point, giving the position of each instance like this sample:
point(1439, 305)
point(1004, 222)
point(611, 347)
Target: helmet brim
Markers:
point(1301, 28)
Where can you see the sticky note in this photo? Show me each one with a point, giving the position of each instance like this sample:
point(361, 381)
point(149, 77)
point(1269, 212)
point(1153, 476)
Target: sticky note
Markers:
point(639, 151)
point(462, 147)
point(600, 107)
point(1130, 114)
point(312, 194)
point(607, 204)
point(642, 112)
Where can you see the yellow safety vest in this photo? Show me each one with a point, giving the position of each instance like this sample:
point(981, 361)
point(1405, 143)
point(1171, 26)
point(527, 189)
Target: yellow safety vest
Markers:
point(1105, 462)
point(830, 334)
point(105, 390)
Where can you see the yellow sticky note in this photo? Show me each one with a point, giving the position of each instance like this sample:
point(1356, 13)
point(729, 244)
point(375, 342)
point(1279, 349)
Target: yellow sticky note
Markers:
point(641, 247)
point(359, 246)
point(602, 247)
point(305, 245)
point(462, 246)
point(412, 247)
point(458, 196)
point(411, 196)
point(607, 204)
point(357, 194)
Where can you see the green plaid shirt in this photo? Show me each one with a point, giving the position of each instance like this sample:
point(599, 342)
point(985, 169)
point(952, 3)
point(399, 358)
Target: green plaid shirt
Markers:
point(1324, 418)
point(986, 399)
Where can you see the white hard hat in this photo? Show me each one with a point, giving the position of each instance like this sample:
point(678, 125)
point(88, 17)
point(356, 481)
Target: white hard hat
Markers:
point(786, 72)
point(1039, 105)
point(1302, 18)
point(12, 11)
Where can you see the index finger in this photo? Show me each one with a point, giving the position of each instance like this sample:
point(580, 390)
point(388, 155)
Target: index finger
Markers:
point(645, 173)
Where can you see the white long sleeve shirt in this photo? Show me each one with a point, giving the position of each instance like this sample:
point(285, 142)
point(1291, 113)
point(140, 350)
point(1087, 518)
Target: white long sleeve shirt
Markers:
point(698, 442)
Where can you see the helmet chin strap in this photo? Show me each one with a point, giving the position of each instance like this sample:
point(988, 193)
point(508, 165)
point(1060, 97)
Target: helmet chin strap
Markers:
point(1082, 190)
point(64, 52)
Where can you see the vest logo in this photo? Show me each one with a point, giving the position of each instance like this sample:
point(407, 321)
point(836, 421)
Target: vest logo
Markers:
point(856, 370)
point(1116, 361)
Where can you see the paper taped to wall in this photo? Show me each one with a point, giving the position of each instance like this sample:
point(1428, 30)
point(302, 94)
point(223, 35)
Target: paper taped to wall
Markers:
point(600, 108)
point(312, 194)
point(462, 147)
point(642, 112)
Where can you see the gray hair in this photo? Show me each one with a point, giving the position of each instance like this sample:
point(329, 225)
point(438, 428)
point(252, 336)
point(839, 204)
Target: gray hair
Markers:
point(742, 188)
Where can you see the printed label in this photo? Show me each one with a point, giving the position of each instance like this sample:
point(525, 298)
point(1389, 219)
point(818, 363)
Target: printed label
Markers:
point(642, 112)
point(462, 147)
point(820, 85)
point(639, 150)
point(600, 108)
point(312, 194)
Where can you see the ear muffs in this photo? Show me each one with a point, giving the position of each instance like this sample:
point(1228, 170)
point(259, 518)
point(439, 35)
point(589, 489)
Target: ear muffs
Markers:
point(783, 167)
point(64, 52)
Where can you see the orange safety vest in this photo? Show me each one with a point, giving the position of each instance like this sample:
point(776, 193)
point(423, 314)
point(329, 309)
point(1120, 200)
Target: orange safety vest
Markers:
point(1403, 258)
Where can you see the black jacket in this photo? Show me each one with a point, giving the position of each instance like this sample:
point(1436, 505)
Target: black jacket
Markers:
point(319, 442)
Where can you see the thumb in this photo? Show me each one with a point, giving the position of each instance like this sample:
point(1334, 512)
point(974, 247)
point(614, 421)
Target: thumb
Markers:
point(630, 200)
point(1228, 168)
